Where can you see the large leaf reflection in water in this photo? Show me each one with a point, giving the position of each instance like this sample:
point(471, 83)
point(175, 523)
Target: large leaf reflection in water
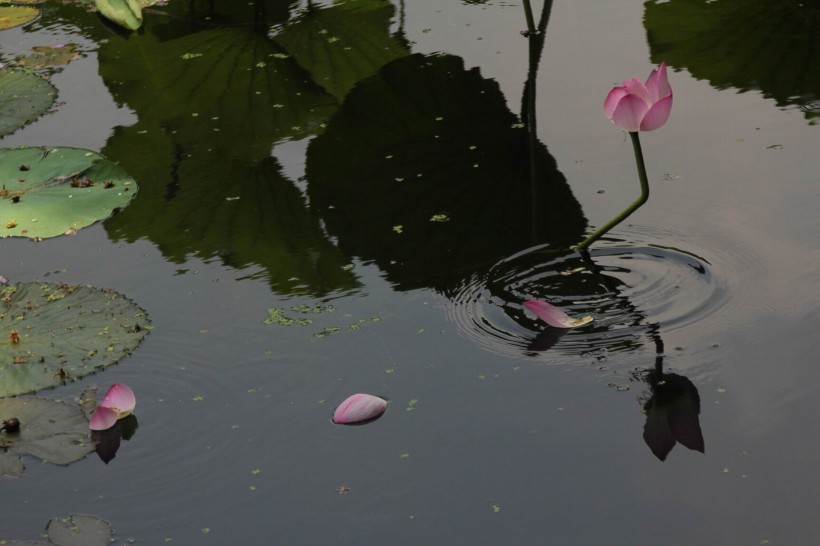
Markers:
point(232, 88)
point(211, 106)
point(322, 39)
point(746, 44)
point(425, 171)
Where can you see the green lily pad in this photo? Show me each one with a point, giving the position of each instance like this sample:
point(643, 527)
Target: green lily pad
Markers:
point(80, 530)
point(15, 16)
point(74, 530)
point(53, 333)
point(54, 191)
point(49, 57)
point(53, 431)
point(24, 97)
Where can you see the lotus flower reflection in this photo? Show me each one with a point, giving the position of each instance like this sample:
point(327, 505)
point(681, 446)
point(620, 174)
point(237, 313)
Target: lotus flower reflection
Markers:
point(635, 106)
point(359, 408)
point(119, 402)
point(554, 316)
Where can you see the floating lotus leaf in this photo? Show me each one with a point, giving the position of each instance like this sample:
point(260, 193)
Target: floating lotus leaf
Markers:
point(49, 56)
point(74, 530)
point(53, 431)
point(53, 333)
point(126, 13)
point(80, 530)
point(14, 16)
point(51, 191)
point(10, 464)
point(24, 97)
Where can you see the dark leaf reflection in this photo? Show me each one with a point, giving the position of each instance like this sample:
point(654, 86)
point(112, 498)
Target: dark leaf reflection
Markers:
point(745, 44)
point(439, 183)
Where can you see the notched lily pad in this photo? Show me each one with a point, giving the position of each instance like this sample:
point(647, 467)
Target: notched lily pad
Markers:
point(80, 530)
point(24, 97)
point(48, 192)
point(15, 16)
point(49, 57)
point(53, 431)
point(54, 333)
point(74, 530)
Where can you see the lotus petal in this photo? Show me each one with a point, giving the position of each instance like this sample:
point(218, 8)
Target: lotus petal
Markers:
point(121, 399)
point(103, 418)
point(629, 113)
point(658, 84)
point(657, 114)
point(554, 316)
point(635, 106)
point(358, 408)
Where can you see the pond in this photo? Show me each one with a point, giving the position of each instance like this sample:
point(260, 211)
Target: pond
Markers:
point(357, 196)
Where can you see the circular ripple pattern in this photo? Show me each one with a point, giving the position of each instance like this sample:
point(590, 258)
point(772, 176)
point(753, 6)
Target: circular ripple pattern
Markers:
point(635, 291)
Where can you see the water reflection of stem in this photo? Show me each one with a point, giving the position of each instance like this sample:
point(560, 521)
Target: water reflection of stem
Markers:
point(636, 144)
point(530, 18)
point(536, 37)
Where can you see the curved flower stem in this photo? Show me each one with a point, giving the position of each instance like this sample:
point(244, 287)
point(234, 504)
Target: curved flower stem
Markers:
point(636, 145)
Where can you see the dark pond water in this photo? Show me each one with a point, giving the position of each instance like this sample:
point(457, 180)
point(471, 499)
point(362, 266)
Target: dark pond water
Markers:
point(297, 155)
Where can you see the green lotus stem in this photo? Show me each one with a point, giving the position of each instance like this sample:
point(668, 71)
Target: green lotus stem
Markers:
point(636, 145)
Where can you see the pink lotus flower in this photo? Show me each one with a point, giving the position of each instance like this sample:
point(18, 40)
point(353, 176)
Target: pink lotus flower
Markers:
point(358, 408)
point(634, 106)
point(554, 316)
point(119, 402)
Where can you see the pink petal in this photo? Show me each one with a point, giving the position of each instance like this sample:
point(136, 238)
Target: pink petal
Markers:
point(629, 112)
point(554, 316)
point(638, 107)
point(636, 87)
point(358, 408)
point(103, 418)
point(121, 399)
point(657, 114)
point(658, 84)
point(612, 100)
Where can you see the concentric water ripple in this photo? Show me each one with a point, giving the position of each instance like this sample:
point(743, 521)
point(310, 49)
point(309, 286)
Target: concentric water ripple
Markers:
point(635, 290)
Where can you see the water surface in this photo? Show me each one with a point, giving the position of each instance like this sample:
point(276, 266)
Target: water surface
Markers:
point(409, 188)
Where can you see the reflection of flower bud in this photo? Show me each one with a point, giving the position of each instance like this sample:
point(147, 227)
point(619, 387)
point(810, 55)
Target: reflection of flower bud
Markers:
point(11, 425)
point(672, 414)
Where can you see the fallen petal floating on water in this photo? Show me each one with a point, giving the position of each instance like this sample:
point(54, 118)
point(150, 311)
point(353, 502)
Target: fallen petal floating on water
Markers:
point(118, 402)
point(121, 399)
point(359, 408)
point(103, 419)
point(554, 316)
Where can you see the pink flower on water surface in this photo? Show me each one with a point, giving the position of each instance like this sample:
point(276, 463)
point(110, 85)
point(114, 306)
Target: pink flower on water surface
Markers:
point(119, 402)
point(358, 408)
point(554, 316)
point(634, 106)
